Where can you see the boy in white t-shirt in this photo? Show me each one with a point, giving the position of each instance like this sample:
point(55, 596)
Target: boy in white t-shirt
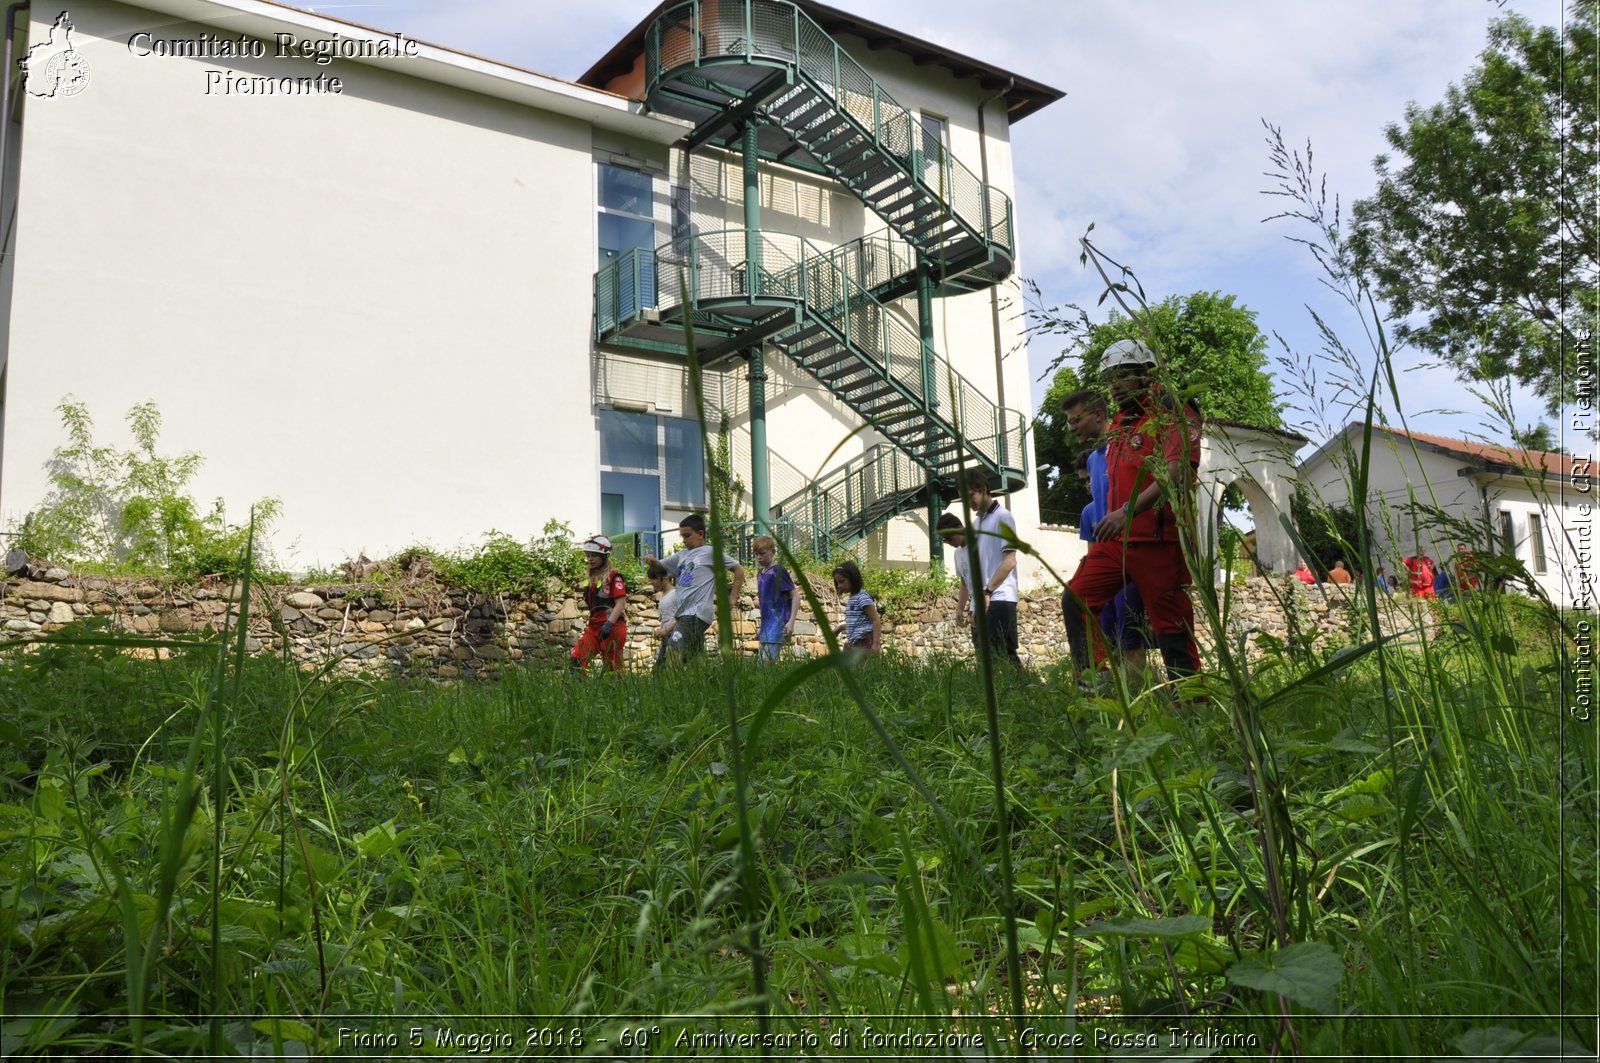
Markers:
point(954, 535)
point(667, 630)
point(996, 531)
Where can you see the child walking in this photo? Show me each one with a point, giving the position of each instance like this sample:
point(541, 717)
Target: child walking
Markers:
point(954, 535)
point(778, 597)
point(862, 628)
point(671, 637)
point(606, 598)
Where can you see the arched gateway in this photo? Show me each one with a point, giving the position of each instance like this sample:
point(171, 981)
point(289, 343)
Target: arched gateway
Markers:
point(1261, 462)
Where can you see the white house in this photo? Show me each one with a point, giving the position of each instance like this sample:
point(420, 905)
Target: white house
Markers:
point(1428, 494)
point(416, 294)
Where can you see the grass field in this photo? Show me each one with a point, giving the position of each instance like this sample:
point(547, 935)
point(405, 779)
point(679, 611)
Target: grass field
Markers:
point(1387, 854)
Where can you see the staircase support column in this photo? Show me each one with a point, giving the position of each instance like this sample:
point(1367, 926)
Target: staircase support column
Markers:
point(760, 484)
point(930, 392)
point(760, 480)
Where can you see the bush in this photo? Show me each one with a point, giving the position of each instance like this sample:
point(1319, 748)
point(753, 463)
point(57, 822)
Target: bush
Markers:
point(503, 564)
point(130, 511)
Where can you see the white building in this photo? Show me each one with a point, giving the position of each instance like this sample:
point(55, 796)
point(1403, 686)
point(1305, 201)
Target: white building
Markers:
point(358, 272)
point(1429, 494)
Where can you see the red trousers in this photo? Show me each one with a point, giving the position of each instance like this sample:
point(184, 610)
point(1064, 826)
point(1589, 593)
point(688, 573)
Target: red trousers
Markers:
point(610, 650)
point(1157, 569)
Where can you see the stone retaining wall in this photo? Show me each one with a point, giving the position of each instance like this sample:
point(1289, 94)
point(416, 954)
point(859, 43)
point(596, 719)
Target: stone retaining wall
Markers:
point(417, 627)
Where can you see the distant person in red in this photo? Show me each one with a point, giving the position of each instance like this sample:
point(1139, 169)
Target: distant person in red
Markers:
point(1466, 575)
point(1303, 574)
point(1419, 571)
point(1152, 438)
point(605, 596)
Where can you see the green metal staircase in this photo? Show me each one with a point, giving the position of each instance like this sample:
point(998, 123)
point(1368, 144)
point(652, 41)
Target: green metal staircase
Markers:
point(816, 307)
point(852, 500)
point(717, 64)
point(723, 65)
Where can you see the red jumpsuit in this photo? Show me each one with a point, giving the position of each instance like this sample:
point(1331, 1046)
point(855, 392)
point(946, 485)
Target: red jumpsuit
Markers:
point(599, 600)
point(1419, 572)
point(1151, 558)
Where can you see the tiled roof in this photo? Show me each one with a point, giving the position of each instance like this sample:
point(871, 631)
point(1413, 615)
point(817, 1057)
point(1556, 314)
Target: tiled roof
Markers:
point(1532, 460)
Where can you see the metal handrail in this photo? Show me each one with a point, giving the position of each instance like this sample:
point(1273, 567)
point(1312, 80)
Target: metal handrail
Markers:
point(701, 32)
point(882, 471)
point(825, 283)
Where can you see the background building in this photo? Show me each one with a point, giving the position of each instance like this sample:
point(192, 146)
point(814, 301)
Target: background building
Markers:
point(1429, 494)
point(380, 303)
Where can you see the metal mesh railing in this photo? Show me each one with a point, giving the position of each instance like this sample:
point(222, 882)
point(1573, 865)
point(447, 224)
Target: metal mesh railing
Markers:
point(624, 287)
point(700, 31)
point(850, 499)
point(715, 266)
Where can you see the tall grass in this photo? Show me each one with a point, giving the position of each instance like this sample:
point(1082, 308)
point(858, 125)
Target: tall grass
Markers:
point(1354, 855)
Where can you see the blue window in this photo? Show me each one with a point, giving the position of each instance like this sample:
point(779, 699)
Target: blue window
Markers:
point(647, 463)
point(685, 461)
point(627, 225)
point(628, 441)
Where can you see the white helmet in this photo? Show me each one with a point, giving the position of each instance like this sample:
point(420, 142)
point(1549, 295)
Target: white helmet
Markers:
point(597, 544)
point(1126, 354)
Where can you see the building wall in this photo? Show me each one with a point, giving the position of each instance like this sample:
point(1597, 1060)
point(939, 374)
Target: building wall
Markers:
point(376, 306)
point(362, 304)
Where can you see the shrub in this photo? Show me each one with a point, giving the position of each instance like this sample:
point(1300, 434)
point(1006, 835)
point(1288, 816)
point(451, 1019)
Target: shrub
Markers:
point(130, 510)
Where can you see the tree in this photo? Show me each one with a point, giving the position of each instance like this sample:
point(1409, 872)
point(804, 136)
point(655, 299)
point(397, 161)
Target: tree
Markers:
point(131, 509)
point(1327, 533)
point(1212, 348)
point(1483, 227)
point(1061, 496)
point(1537, 437)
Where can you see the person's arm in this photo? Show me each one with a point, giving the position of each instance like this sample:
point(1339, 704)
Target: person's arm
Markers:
point(794, 607)
point(961, 604)
point(619, 608)
point(1112, 524)
point(738, 584)
point(1008, 561)
point(877, 628)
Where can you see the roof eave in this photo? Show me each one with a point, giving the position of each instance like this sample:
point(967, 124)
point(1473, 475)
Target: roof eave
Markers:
point(445, 66)
point(1024, 95)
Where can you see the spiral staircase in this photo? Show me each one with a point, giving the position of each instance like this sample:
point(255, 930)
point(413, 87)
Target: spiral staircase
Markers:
point(760, 76)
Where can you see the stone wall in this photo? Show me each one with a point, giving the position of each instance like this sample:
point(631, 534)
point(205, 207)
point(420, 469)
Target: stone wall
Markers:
point(418, 627)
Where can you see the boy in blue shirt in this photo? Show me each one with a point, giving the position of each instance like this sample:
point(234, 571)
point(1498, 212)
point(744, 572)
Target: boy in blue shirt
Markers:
point(778, 598)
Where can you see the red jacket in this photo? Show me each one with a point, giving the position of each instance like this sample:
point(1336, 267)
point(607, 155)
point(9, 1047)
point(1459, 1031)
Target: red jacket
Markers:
point(1137, 446)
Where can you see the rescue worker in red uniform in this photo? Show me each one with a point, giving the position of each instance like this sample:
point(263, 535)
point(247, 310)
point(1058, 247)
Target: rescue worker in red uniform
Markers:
point(606, 598)
point(1419, 576)
point(1137, 540)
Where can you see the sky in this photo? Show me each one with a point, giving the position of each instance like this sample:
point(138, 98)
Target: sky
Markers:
point(1158, 142)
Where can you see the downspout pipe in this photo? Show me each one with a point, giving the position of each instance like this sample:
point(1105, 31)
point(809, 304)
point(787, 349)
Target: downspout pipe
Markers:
point(7, 73)
point(994, 291)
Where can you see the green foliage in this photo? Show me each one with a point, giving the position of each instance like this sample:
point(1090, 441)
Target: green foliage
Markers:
point(1329, 534)
point(727, 487)
point(377, 847)
point(1538, 437)
point(130, 510)
point(1483, 225)
point(899, 590)
point(1214, 351)
point(1061, 496)
point(504, 564)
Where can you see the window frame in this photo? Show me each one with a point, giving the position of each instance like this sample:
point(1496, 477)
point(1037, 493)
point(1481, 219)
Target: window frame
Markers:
point(1537, 560)
point(659, 470)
